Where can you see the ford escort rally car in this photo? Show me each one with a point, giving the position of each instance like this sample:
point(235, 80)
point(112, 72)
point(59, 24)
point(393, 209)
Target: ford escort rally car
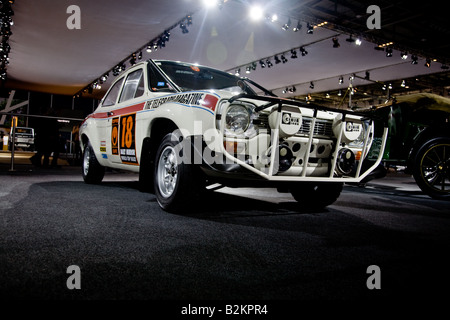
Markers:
point(185, 128)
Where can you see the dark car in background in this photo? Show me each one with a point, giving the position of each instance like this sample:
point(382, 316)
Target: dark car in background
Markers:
point(419, 140)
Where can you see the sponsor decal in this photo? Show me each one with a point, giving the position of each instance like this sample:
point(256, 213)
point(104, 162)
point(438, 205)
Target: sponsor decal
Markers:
point(191, 99)
point(351, 127)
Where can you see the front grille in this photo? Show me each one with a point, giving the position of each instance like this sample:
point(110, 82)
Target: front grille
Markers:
point(321, 127)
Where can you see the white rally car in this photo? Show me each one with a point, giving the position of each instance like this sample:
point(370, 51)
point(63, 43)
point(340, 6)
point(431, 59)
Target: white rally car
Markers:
point(185, 128)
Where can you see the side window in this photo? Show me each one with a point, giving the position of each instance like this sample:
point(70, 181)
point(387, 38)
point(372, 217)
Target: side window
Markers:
point(131, 86)
point(111, 97)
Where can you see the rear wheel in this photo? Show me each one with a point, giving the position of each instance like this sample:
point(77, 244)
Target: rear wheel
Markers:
point(176, 183)
point(316, 196)
point(92, 171)
point(432, 168)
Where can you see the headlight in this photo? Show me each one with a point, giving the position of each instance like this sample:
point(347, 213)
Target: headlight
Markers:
point(237, 119)
point(359, 142)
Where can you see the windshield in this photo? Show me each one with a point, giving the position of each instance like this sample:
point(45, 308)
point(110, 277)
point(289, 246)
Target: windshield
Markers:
point(189, 77)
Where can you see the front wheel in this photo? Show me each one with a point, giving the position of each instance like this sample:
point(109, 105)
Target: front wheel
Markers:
point(432, 168)
point(316, 196)
point(176, 183)
point(93, 172)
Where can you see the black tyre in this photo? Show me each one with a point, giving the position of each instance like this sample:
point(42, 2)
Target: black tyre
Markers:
point(93, 172)
point(432, 168)
point(316, 196)
point(177, 184)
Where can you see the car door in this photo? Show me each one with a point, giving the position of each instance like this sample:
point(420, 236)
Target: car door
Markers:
point(121, 124)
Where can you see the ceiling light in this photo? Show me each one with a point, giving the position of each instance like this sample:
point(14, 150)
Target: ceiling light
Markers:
point(309, 28)
point(188, 20)
point(388, 52)
point(283, 58)
point(367, 77)
point(427, 63)
point(248, 69)
point(339, 93)
point(311, 85)
point(303, 51)
point(404, 55)
point(403, 83)
point(262, 64)
point(341, 80)
point(287, 25)
point(237, 72)
point(274, 17)
point(336, 43)
point(285, 90)
point(256, 13)
point(269, 64)
point(358, 41)
point(414, 59)
point(277, 60)
point(298, 27)
point(183, 28)
point(293, 54)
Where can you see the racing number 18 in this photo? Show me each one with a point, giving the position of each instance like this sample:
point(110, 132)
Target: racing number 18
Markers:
point(127, 128)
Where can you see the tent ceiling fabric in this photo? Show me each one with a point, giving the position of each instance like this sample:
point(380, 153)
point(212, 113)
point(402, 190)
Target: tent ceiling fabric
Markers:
point(47, 56)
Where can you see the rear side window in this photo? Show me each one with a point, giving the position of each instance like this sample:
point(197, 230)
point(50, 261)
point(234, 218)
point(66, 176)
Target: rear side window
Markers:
point(111, 97)
point(133, 86)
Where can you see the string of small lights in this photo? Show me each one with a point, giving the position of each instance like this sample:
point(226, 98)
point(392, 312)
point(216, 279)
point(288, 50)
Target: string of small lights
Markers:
point(156, 43)
point(6, 22)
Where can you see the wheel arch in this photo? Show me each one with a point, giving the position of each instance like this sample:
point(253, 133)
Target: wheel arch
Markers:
point(427, 135)
point(158, 128)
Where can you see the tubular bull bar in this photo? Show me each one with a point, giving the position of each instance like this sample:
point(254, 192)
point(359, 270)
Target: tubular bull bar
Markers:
point(279, 102)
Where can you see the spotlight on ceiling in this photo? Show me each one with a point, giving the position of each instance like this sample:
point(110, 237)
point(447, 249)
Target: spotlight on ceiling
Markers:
point(269, 64)
point(309, 28)
point(277, 60)
point(298, 27)
point(303, 51)
point(388, 52)
point(341, 80)
point(293, 54)
point(283, 58)
point(256, 13)
point(237, 72)
point(358, 41)
point(414, 59)
point(183, 28)
point(262, 64)
point(404, 55)
point(336, 43)
point(311, 85)
point(287, 25)
point(427, 63)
